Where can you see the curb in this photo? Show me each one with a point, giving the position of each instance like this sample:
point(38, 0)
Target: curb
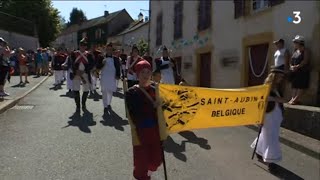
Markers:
point(10, 103)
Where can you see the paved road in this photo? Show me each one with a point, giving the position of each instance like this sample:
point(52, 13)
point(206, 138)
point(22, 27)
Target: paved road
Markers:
point(44, 143)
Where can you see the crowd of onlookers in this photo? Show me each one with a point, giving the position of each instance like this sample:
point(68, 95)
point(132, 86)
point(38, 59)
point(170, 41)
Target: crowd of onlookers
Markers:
point(18, 61)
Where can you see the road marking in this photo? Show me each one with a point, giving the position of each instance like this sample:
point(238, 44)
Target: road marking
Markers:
point(23, 107)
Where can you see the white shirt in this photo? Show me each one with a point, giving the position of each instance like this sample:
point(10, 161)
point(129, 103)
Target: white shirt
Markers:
point(279, 57)
point(128, 64)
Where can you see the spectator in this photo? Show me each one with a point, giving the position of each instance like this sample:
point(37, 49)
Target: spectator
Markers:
point(38, 62)
point(4, 65)
point(156, 76)
point(299, 68)
point(281, 56)
point(45, 62)
point(23, 65)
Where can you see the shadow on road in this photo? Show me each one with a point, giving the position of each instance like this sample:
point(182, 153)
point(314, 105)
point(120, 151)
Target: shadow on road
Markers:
point(178, 149)
point(82, 122)
point(55, 88)
point(194, 139)
point(112, 119)
point(96, 96)
point(68, 94)
point(118, 95)
point(20, 85)
point(282, 173)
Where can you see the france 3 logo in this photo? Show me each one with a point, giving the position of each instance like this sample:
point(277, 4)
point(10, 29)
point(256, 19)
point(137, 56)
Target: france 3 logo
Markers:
point(296, 19)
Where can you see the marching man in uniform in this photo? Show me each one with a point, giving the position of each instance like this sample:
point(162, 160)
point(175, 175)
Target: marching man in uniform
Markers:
point(166, 66)
point(110, 74)
point(82, 64)
point(57, 65)
point(67, 66)
point(131, 62)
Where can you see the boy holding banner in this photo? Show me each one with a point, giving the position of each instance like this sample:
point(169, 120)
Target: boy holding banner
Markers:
point(142, 107)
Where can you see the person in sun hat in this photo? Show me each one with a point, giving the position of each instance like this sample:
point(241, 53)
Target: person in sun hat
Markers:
point(82, 63)
point(282, 55)
point(268, 148)
point(299, 69)
point(142, 107)
point(23, 65)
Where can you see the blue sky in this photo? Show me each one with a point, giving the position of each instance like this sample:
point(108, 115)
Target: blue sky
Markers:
point(94, 9)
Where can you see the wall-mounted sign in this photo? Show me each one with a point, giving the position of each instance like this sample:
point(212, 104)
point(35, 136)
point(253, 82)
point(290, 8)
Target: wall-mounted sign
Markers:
point(187, 65)
point(229, 61)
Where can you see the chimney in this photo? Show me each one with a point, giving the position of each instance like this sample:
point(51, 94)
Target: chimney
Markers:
point(146, 18)
point(140, 17)
point(106, 13)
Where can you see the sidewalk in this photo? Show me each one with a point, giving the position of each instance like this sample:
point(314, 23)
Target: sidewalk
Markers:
point(17, 91)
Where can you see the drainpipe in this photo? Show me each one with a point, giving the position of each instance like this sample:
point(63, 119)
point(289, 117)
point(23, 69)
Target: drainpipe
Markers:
point(149, 28)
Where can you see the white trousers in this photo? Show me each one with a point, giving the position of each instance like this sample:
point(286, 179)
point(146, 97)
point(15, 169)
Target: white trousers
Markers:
point(69, 81)
point(93, 82)
point(106, 97)
point(58, 77)
point(76, 83)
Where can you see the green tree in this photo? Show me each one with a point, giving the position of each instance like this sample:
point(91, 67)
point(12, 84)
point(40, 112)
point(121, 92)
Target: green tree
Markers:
point(77, 16)
point(142, 46)
point(44, 17)
point(63, 23)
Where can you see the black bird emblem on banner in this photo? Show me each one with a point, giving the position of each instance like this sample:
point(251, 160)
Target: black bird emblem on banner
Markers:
point(180, 107)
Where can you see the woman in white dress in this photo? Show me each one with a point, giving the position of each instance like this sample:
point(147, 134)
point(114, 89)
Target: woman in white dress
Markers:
point(268, 149)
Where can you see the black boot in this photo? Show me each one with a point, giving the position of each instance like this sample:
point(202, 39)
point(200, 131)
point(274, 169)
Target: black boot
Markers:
point(76, 95)
point(84, 100)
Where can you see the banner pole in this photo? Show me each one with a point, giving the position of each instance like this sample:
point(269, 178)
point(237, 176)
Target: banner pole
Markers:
point(255, 147)
point(125, 89)
point(164, 164)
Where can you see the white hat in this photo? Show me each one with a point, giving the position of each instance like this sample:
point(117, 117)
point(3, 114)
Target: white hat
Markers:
point(298, 38)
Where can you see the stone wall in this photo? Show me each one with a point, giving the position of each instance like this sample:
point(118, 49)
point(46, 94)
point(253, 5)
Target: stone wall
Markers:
point(16, 40)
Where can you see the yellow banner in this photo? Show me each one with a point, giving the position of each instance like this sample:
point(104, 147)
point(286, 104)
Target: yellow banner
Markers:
point(187, 108)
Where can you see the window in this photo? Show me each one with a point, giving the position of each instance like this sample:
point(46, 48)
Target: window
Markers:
point(84, 34)
point(239, 8)
point(204, 14)
point(260, 4)
point(98, 34)
point(178, 17)
point(243, 7)
point(159, 30)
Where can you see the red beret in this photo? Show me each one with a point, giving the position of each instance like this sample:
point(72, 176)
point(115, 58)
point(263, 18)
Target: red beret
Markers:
point(142, 64)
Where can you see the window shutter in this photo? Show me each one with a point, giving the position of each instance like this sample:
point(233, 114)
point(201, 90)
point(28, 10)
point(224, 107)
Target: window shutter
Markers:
point(239, 8)
point(199, 18)
point(159, 30)
point(276, 2)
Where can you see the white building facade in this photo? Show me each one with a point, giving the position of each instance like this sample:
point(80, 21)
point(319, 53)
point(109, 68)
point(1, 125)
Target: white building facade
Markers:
point(224, 44)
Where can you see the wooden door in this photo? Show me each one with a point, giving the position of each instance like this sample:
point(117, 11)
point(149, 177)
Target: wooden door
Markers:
point(257, 64)
point(205, 70)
